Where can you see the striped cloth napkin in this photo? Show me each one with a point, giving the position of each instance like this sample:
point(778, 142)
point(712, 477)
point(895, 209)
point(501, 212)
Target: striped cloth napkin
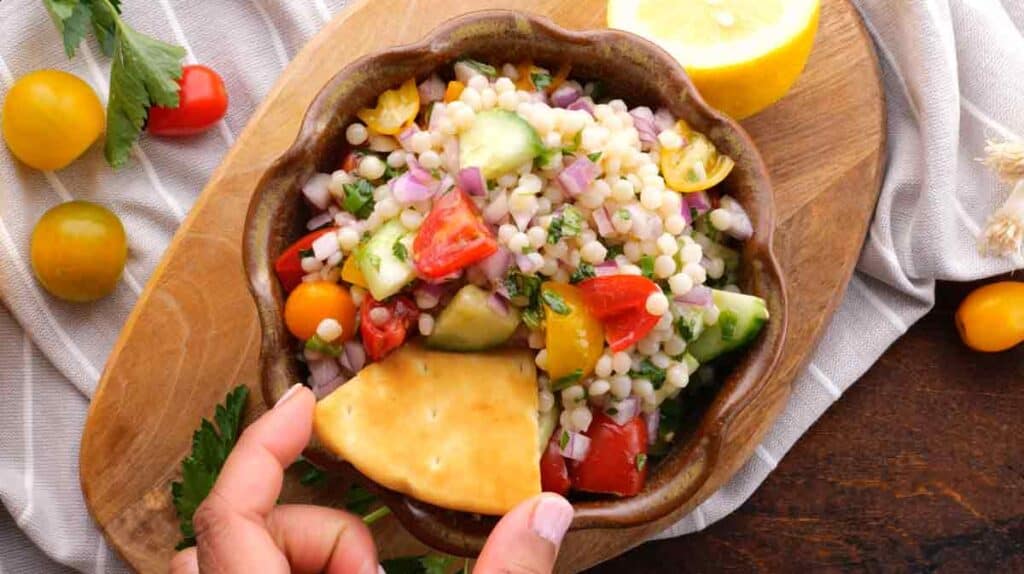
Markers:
point(952, 80)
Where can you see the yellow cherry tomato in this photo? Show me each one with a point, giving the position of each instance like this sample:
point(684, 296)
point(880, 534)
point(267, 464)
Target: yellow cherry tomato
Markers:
point(310, 303)
point(991, 318)
point(695, 166)
point(50, 118)
point(395, 109)
point(574, 340)
point(78, 251)
point(351, 272)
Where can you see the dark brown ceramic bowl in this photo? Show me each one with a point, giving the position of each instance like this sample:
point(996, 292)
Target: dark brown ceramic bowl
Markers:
point(631, 68)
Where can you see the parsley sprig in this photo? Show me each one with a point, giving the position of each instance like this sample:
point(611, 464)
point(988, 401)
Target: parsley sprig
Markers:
point(144, 73)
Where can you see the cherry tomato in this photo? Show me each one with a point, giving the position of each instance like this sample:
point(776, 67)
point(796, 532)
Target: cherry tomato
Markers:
point(991, 318)
point(620, 301)
point(313, 302)
point(350, 162)
point(696, 165)
point(289, 265)
point(50, 118)
point(574, 340)
point(379, 340)
point(78, 251)
point(628, 328)
point(395, 109)
point(203, 102)
point(554, 476)
point(452, 236)
point(616, 462)
point(453, 91)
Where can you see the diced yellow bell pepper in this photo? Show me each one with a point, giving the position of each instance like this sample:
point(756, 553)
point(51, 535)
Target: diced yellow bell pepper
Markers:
point(395, 109)
point(574, 340)
point(453, 91)
point(351, 272)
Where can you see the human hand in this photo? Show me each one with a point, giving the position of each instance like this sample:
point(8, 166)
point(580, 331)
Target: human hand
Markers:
point(239, 528)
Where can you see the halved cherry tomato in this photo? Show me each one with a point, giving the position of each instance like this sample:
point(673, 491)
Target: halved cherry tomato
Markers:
point(626, 329)
point(453, 91)
point(203, 102)
point(289, 264)
point(350, 162)
point(695, 166)
point(379, 340)
point(616, 462)
point(554, 475)
point(613, 294)
point(453, 236)
point(311, 303)
point(395, 109)
point(574, 340)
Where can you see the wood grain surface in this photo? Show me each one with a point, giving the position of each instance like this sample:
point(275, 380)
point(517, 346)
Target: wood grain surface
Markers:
point(919, 468)
point(194, 335)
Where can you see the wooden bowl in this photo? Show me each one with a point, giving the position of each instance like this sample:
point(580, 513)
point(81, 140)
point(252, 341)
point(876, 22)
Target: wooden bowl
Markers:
point(632, 68)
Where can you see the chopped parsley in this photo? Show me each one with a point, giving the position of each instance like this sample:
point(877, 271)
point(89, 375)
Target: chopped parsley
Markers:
point(312, 475)
point(594, 156)
point(727, 321)
point(555, 302)
point(563, 440)
point(318, 345)
point(624, 214)
point(392, 172)
point(547, 154)
point(689, 325)
point(358, 500)
point(358, 198)
point(641, 461)
point(532, 317)
point(583, 271)
point(485, 69)
point(650, 371)
point(567, 224)
point(613, 251)
point(562, 383)
point(612, 411)
point(426, 564)
point(541, 80)
point(400, 251)
point(305, 253)
point(646, 264)
point(525, 288)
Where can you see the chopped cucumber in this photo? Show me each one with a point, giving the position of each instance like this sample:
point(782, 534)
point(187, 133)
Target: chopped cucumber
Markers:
point(469, 323)
point(498, 142)
point(546, 423)
point(385, 267)
point(740, 319)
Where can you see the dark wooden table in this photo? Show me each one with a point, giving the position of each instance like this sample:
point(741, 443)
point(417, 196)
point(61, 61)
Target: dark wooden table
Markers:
point(918, 468)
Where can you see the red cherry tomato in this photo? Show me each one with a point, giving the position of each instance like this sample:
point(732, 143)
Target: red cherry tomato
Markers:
point(379, 340)
point(203, 102)
point(554, 476)
point(620, 302)
point(616, 462)
point(289, 264)
point(350, 162)
point(452, 236)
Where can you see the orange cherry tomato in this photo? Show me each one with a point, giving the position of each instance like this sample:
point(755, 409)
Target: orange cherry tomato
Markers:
point(991, 318)
point(203, 101)
point(453, 91)
point(313, 302)
point(696, 165)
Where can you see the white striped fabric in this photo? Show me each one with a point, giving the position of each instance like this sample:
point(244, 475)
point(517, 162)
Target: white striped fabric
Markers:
point(951, 71)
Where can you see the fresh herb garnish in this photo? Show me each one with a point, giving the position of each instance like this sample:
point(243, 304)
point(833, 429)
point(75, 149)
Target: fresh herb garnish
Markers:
point(400, 251)
point(541, 80)
point(612, 411)
point(144, 73)
point(358, 198)
point(624, 214)
point(594, 156)
point(547, 154)
point(555, 302)
point(426, 564)
point(318, 345)
point(358, 500)
point(392, 172)
point(567, 224)
point(312, 475)
point(485, 69)
point(613, 251)
point(304, 253)
point(582, 272)
point(562, 383)
point(563, 440)
point(577, 140)
point(522, 287)
point(210, 448)
point(646, 265)
point(641, 461)
point(689, 325)
point(532, 317)
point(727, 322)
point(648, 370)
point(492, 185)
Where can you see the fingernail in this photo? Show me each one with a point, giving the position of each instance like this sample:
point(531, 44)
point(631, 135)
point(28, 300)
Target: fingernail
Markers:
point(380, 569)
point(288, 394)
point(551, 518)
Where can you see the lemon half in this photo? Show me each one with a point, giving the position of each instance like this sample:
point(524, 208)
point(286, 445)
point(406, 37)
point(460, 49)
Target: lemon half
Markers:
point(743, 55)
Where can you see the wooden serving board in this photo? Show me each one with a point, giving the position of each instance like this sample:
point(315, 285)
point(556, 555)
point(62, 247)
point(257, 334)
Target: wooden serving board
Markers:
point(194, 333)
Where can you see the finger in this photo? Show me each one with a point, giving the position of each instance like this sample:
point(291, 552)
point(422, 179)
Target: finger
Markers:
point(185, 562)
point(230, 524)
point(317, 539)
point(526, 540)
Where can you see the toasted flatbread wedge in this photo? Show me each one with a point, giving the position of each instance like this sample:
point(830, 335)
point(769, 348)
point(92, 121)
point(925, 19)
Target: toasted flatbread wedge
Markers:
point(457, 430)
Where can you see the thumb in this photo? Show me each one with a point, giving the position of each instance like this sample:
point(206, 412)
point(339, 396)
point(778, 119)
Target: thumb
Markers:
point(526, 540)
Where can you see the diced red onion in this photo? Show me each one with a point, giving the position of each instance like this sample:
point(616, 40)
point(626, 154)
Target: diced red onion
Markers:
point(565, 95)
point(586, 104)
point(431, 90)
point(740, 226)
point(576, 178)
point(653, 420)
point(445, 279)
point(354, 356)
point(323, 371)
point(604, 224)
point(319, 220)
point(625, 410)
point(606, 268)
point(497, 209)
point(663, 120)
point(498, 303)
point(325, 245)
point(699, 295)
point(408, 189)
point(316, 190)
point(495, 267)
point(471, 180)
point(405, 136)
point(576, 447)
point(419, 173)
point(321, 391)
point(698, 201)
point(643, 121)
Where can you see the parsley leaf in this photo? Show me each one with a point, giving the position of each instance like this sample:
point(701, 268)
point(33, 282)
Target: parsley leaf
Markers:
point(392, 172)
point(594, 156)
point(199, 470)
point(613, 251)
point(532, 317)
point(624, 214)
point(522, 287)
point(563, 440)
point(690, 324)
point(304, 253)
point(562, 383)
point(641, 461)
point(647, 266)
point(358, 198)
point(485, 69)
point(556, 302)
point(400, 251)
point(72, 18)
point(312, 475)
point(583, 271)
point(318, 345)
point(358, 500)
point(541, 80)
point(567, 224)
point(650, 371)
point(426, 564)
point(727, 322)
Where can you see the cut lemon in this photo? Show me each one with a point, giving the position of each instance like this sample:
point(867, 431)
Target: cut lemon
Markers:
point(743, 55)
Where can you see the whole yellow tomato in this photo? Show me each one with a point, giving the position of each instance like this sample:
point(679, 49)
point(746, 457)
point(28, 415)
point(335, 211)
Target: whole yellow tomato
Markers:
point(50, 118)
point(78, 251)
point(991, 318)
point(574, 338)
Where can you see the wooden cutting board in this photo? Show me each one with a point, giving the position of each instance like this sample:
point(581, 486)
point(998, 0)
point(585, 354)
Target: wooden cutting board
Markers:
point(193, 334)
